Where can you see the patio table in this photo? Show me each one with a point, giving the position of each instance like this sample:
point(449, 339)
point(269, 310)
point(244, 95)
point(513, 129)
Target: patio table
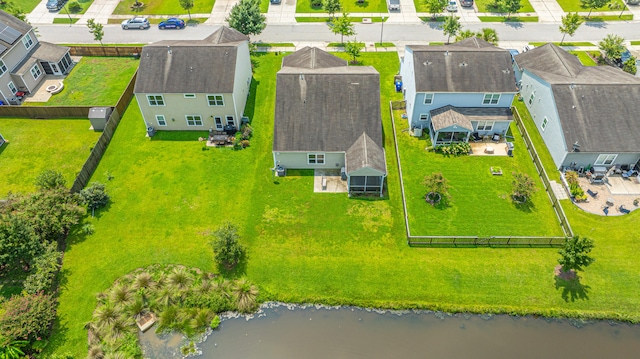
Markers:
point(489, 150)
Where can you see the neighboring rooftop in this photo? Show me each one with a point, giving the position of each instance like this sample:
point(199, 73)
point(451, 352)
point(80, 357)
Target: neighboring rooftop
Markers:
point(312, 58)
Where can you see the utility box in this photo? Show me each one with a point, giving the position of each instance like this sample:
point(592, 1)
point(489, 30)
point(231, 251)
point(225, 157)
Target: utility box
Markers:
point(98, 116)
point(416, 132)
point(509, 149)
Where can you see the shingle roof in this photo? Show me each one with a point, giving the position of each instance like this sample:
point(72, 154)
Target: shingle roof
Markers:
point(472, 65)
point(15, 23)
point(447, 116)
point(365, 153)
point(598, 105)
point(312, 58)
point(190, 66)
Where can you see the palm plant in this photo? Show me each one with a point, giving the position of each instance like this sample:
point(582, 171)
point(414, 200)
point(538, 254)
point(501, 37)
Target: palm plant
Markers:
point(95, 352)
point(104, 316)
point(143, 280)
point(204, 287)
point(223, 287)
point(137, 309)
point(167, 319)
point(119, 329)
point(179, 278)
point(121, 294)
point(116, 355)
point(202, 318)
point(245, 294)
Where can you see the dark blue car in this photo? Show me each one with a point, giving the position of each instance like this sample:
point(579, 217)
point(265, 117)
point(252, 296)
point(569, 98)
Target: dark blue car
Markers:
point(171, 23)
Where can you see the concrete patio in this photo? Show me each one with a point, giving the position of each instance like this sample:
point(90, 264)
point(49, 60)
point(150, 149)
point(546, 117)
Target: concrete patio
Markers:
point(488, 148)
point(334, 183)
point(617, 192)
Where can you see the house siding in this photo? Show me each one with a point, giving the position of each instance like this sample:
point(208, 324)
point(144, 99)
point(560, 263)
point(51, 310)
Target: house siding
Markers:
point(298, 160)
point(408, 82)
point(242, 81)
point(12, 57)
point(582, 159)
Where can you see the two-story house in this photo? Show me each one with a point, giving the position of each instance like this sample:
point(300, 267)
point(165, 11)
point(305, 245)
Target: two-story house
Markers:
point(195, 84)
point(24, 60)
point(453, 91)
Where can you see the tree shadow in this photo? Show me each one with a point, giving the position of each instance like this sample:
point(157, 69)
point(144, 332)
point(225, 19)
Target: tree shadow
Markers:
point(238, 271)
point(514, 24)
point(596, 24)
point(362, 4)
point(527, 206)
point(572, 290)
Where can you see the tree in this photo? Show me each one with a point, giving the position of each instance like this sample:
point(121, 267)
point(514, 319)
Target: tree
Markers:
point(451, 27)
point(630, 66)
point(226, 246)
point(19, 243)
point(593, 4)
point(570, 24)
point(95, 196)
point(437, 188)
point(343, 26)
point(331, 7)
point(511, 6)
point(465, 34)
point(12, 9)
point(612, 46)
point(435, 7)
point(96, 29)
point(45, 268)
point(245, 17)
point(489, 35)
point(27, 317)
point(523, 187)
point(574, 255)
point(353, 49)
point(50, 179)
point(187, 5)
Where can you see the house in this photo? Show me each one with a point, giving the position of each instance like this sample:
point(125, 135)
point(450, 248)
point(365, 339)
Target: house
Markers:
point(585, 115)
point(327, 116)
point(195, 84)
point(24, 60)
point(454, 90)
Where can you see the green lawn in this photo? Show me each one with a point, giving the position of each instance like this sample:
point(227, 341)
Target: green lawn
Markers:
point(508, 19)
point(483, 6)
point(584, 58)
point(163, 7)
point(624, 17)
point(38, 145)
point(83, 3)
point(326, 19)
point(304, 6)
point(80, 89)
point(26, 6)
point(65, 20)
point(635, 43)
point(575, 6)
point(566, 43)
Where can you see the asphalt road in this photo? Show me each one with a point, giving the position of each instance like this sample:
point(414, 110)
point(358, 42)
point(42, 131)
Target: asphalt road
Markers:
point(320, 33)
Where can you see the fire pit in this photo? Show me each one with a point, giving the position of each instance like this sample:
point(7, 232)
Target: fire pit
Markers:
point(54, 89)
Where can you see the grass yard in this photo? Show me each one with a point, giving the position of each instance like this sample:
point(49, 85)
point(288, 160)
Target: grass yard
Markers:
point(38, 145)
point(26, 6)
point(163, 7)
point(326, 19)
point(80, 87)
point(566, 43)
point(376, 6)
point(65, 20)
point(508, 19)
point(584, 58)
point(264, 6)
point(624, 17)
point(485, 6)
point(575, 6)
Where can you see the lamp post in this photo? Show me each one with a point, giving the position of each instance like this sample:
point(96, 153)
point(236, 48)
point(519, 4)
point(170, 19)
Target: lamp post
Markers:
point(381, 30)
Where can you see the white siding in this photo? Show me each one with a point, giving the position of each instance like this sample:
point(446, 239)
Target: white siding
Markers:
point(408, 81)
point(242, 81)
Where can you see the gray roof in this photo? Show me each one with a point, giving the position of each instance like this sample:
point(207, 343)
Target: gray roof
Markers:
point(190, 66)
point(312, 58)
point(45, 51)
point(15, 23)
point(449, 115)
point(326, 109)
point(472, 65)
point(598, 105)
point(365, 153)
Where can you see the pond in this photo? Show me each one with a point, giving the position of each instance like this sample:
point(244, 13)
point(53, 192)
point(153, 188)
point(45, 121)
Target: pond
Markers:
point(282, 331)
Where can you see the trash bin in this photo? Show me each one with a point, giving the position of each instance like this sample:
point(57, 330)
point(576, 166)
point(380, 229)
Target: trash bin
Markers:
point(151, 131)
point(509, 149)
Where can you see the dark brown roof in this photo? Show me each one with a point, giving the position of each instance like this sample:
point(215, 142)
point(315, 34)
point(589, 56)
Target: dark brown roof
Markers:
point(312, 58)
point(365, 153)
point(471, 65)
point(15, 23)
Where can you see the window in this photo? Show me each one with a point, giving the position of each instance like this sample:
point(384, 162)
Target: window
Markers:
point(218, 121)
point(161, 120)
point(194, 120)
point(3, 68)
point(155, 100)
point(26, 40)
point(428, 98)
point(491, 99)
point(485, 125)
point(215, 100)
point(424, 117)
point(189, 95)
point(35, 71)
point(544, 123)
point(315, 158)
point(230, 121)
point(605, 159)
point(12, 87)
point(532, 97)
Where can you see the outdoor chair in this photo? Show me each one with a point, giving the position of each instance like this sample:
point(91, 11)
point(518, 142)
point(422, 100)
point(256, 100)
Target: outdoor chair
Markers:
point(628, 174)
point(592, 194)
point(476, 137)
point(606, 210)
point(496, 138)
point(624, 210)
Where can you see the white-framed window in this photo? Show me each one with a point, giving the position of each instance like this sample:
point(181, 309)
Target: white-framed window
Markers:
point(491, 99)
point(315, 158)
point(605, 160)
point(428, 98)
point(424, 117)
point(155, 100)
point(230, 121)
point(35, 71)
point(485, 125)
point(194, 120)
point(3, 68)
point(27, 41)
point(218, 121)
point(215, 100)
point(161, 120)
point(12, 87)
point(543, 125)
point(189, 95)
point(532, 97)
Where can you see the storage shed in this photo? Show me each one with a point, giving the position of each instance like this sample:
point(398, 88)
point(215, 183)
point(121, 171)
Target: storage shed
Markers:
point(99, 117)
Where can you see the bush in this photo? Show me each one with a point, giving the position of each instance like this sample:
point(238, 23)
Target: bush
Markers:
point(95, 196)
point(50, 179)
point(455, 149)
point(44, 272)
point(74, 7)
point(28, 317)
point(247, 131)
point(244, 143)
point(215, 322)
point(226, 246)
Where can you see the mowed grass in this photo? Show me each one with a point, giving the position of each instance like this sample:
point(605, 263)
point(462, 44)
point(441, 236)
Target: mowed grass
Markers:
point(584, 58)
point(576, 6)
point(94, 81)
point(483, 6)
point(38, 145)
point(26, 6)
point(375, 6)
point(157, 7)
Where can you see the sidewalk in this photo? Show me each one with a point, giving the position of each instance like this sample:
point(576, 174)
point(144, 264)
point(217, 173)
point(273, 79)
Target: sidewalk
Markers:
point(283, 13)
point(220, 11)
point(100, 10)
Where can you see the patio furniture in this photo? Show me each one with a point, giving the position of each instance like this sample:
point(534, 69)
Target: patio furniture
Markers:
point(476, 137)
point(488, 150)
point(606, 210)
point(495, 138)
point(609, 201)
point(623, 210)
point(628, 174)
point(592, 194)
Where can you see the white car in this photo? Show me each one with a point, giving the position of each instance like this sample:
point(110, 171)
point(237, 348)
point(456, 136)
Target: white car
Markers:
point(452, 7)
point(135, 23)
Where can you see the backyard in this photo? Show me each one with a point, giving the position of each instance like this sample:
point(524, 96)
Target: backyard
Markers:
point(163, 7)
point(168, 194)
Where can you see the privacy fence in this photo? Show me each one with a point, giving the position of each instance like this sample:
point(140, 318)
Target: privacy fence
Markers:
point(113, 51)
point(493, 241)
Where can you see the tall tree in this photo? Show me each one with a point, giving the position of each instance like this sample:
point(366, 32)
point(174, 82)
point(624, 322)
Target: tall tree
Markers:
point(187, 5)
point(489, 35)
point(465, 34)
point(630, 65)
point(435, 7)
point(343, 26)
point(574, 255)
point(511, 6)
point(451, 26)
point(353, 49)
point(19, 244)
point(245, 17)
point(331, 7)
point(612, 46)
point(593, 4)
point(570, 24)
point(226, 246)
point(96, 29)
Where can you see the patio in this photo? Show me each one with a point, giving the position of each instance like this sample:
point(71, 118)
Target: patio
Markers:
point(488, 148)
point(617, 192)
point(332, 182)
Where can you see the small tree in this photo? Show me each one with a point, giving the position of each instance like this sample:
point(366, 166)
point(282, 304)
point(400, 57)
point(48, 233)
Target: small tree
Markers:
point(511, 6)
point(353, 49)
point(570, 24)
point(343, 26)
point(574, 255)
point(523, 187)
point(226, 247)
point(96, 29)
point(593, 4)
point(451, 27)
point(187, 5)
point(95, 196)
point(612, 47)
point(27, 317)
point(50, 179)
point(630, 66)
point(331, 7)
point(435, 7)
point(245, 17)
point(489, 35)
point(437, 188)
point(465, 34)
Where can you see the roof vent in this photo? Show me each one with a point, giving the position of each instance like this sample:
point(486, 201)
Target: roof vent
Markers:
point(355, 83)
point(506, 71)
point(191, 68)
point(169, 50)
point(426, 63)
point(574, 106)
point(446, 53)
point(463, 64)
point(301, 77)
point(582, 96)
point(147, 54)
point(572, 86)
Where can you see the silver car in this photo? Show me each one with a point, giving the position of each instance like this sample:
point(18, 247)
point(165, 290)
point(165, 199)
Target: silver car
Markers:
point(136, 23)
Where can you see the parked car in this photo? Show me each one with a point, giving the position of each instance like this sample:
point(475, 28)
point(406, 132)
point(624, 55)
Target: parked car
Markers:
point(393, 5)
point(466, 3)
point(171, 23)
point(513, 53)
point(633, 2)
point(275, 1)
point(55, 5)
point(626, 55)
point(452, 6)
point(136, 23)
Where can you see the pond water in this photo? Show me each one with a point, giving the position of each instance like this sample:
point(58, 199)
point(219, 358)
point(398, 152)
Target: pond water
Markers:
point(281, 331)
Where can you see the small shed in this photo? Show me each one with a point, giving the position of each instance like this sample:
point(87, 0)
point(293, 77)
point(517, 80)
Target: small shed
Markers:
point(99, 117)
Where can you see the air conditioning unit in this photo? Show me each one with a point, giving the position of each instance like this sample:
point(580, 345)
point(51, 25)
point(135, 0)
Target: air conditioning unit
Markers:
point(417, 132)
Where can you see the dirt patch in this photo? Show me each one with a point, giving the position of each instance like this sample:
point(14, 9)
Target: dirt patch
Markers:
point(569, 275)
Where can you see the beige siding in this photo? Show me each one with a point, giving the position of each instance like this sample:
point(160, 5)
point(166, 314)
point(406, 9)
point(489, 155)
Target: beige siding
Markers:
point(11, 58)
point(242, 80)
point(298, 160)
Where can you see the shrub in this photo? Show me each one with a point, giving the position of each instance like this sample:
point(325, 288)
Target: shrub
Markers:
point(455, 149)
point(50, 179)
point(244, 143)
point(74, 7)
point(215, 322)
point(44, 272)
point(247, 131)
point(28, 317)
point(437, 188)
point(95, 196)
point(523, 187)
point(226, 246)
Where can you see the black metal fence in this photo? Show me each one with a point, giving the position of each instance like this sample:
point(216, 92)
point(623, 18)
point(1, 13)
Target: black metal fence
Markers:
point(494, 241)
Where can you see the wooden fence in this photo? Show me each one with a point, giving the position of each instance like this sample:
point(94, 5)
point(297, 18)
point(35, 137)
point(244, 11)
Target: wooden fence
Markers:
point(113, 51)
point(45, 112)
